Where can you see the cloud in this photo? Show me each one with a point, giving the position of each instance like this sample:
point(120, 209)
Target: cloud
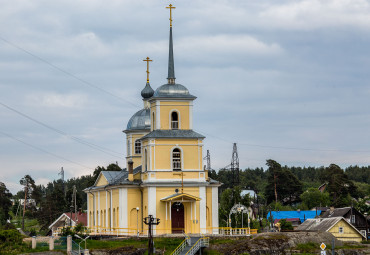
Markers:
point(315, 14)
point(59, 100)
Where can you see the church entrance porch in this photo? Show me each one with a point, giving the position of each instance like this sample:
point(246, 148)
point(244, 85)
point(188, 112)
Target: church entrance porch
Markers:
point(181, 214)
point(178, 219)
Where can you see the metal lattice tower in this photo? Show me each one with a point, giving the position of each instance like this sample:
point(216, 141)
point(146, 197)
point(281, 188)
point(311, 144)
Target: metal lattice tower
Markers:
point(234, 167)
point(208, 158)
point(61, 173)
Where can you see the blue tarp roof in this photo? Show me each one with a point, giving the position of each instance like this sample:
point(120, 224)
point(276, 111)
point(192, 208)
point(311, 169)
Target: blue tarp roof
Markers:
point(302, 215)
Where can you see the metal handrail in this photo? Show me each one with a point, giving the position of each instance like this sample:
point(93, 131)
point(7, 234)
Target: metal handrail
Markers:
point(202, 241)
point(182, 245)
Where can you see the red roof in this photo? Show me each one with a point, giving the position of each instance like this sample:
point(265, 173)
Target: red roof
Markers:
point(81, 217)
point(289, 219)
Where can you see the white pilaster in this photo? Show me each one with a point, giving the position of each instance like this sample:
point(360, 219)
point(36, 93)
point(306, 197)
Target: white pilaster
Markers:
point(202, 209)
point(158, 115)
point(123, 208)
point(111, 210)
point(190, 115)
point(215, 210)
point(152, 203)
point(89, 211)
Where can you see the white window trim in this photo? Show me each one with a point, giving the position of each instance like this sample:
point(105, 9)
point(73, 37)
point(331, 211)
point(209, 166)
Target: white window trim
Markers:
point(170, 119)
point(341, 230)
point(137, 141)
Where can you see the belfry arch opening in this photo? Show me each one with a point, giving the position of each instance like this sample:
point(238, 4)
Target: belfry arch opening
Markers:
point(174, 120)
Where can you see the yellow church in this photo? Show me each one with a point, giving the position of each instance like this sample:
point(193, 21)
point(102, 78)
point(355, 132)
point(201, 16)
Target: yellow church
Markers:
point(164, 177)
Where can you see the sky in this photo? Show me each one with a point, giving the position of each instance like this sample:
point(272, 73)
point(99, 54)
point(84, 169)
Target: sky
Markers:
point(285, 79)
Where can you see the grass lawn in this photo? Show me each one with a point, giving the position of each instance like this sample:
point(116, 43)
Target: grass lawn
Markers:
point(160, 243)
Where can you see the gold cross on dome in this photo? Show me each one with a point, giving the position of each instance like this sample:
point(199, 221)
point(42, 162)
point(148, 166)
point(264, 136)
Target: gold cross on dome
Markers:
point(147, 60)
point(171, 7)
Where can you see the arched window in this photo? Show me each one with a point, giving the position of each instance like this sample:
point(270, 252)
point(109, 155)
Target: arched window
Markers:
point(174, 120)
point(145, 160)
point(137, 147)
point(153, 121)
point(176, 159)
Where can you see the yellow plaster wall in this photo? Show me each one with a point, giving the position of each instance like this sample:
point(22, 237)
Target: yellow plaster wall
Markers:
point(136, 158)
point(101, 181)
point(145, 205)
point(209, 207)
point(191, 155)
point(115, 205)
point(182, 109)
point(349, 234)
point(134, 200)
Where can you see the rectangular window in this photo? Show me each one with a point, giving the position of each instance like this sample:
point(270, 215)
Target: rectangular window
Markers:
point(353, 218)
point(137, 147)
point(341, 230)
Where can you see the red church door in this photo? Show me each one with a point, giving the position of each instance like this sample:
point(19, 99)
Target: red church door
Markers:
point(177, 216)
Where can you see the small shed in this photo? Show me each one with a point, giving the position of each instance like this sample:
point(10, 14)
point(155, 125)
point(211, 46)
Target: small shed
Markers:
point(337, 226)
point(65, 220)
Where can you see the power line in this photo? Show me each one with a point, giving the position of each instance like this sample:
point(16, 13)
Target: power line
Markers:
point(66, 72)
point(76, 139)
point(285, 148)
point(132, 104)
point(44, 151)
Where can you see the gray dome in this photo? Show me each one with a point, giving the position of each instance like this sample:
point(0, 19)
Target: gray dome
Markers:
point(147, 91)
point(172, 90)
point(140, 120)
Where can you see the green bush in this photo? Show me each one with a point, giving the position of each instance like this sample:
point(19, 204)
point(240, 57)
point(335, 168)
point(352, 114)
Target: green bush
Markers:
point(285, 225)
point(8, 237)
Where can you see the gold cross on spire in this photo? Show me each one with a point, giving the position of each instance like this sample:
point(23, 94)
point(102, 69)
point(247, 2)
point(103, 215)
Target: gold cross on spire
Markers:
point(147, 60)
point(171, 7)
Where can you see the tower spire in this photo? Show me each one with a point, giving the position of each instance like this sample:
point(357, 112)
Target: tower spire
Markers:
point(171, 65)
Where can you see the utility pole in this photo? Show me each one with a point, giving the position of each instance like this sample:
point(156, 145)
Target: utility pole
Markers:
point(75, 200)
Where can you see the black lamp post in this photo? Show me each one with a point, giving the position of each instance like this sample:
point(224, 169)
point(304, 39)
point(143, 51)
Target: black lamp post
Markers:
point(151, 221)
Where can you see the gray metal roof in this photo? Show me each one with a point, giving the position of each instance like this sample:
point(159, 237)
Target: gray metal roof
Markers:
point(111, 175)
point(337, 212)
point(179, 133)
point(319, 224)
point(172, 91)
point(140, 120)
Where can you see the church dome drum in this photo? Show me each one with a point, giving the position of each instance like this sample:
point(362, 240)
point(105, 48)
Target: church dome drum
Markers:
point(139, 121)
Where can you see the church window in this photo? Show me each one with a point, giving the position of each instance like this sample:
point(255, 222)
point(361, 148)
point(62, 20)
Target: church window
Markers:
point(145, 160)
point(174, 120)
point(153, 121)
point(137, 147)
point(176, 160)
